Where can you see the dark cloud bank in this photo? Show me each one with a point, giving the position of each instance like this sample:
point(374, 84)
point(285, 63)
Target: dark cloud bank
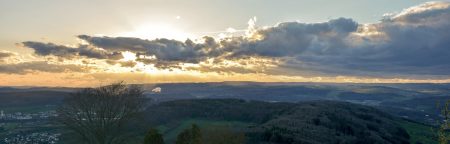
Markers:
point(414, 42)
point(44, 49)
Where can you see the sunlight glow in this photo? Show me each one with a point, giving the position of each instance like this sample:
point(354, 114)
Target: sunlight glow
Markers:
point(128, 56)
point(157, 30)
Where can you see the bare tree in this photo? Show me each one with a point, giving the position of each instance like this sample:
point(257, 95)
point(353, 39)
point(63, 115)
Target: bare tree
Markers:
point(98, 115)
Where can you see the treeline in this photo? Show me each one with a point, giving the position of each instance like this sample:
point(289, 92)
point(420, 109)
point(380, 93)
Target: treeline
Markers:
point(215, 109)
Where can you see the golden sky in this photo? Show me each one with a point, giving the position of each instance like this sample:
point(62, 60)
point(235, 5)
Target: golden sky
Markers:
point(409, 45)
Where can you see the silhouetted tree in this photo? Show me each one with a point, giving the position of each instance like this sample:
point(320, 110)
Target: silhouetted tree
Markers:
point(153, 137)
point(98, 115)
point(190, 136)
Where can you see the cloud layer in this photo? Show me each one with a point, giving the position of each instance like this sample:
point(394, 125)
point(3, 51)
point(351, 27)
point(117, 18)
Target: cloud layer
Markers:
point(41, 66)
point(45, 49)
point(4, 54)
point(415, 41)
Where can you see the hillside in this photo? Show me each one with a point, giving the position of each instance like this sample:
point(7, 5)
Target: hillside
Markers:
point(32, 98)
point(404, 100)
point(303, 122)
point(413, 101)
point(264, 109)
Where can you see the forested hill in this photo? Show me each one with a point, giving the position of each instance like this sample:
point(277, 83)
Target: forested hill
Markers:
point(304, 122)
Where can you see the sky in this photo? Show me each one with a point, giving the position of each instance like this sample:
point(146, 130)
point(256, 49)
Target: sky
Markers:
point(77, 43)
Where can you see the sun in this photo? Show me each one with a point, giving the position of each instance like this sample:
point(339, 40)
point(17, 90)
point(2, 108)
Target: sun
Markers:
point(128, 56)
point(157, 30)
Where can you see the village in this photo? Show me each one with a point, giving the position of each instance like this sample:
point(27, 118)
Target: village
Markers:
point(23, 127)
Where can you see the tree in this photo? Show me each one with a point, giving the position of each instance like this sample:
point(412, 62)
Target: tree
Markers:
point(196, 134)
point(443, 132)
point(98, 115)
point(190, 136)
point(153, 137)
point(184, 137)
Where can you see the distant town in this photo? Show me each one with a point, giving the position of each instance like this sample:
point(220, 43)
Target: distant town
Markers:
point(20, 127)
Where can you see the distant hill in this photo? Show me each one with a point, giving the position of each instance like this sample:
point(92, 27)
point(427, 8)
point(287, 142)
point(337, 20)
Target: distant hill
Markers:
point(303, 122)
point(412, 101)
point(23, 98)
point(397, 99)
point(425, 109)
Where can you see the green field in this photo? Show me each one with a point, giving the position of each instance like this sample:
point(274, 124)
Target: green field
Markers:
point(10, 126)
point(27, 109)
point(420, 133)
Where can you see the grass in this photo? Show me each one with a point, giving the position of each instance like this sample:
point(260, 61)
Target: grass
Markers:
point(11, 126)
point(27, 109)
point(420, 133)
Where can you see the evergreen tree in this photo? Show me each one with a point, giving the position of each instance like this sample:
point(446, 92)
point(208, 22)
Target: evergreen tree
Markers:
point(184, 137)
point(190, 136)
point(196, 134)
point(153, 137)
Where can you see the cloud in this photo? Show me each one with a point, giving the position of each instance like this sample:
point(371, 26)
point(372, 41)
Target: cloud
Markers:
point(412, 42)
point(416, 42)
point(41, 66)
point(163, 49)
point(127, 64)
point(284, 40)
point(427, 13)
point(294, 38)
point(45, 49)
point(5, 54)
